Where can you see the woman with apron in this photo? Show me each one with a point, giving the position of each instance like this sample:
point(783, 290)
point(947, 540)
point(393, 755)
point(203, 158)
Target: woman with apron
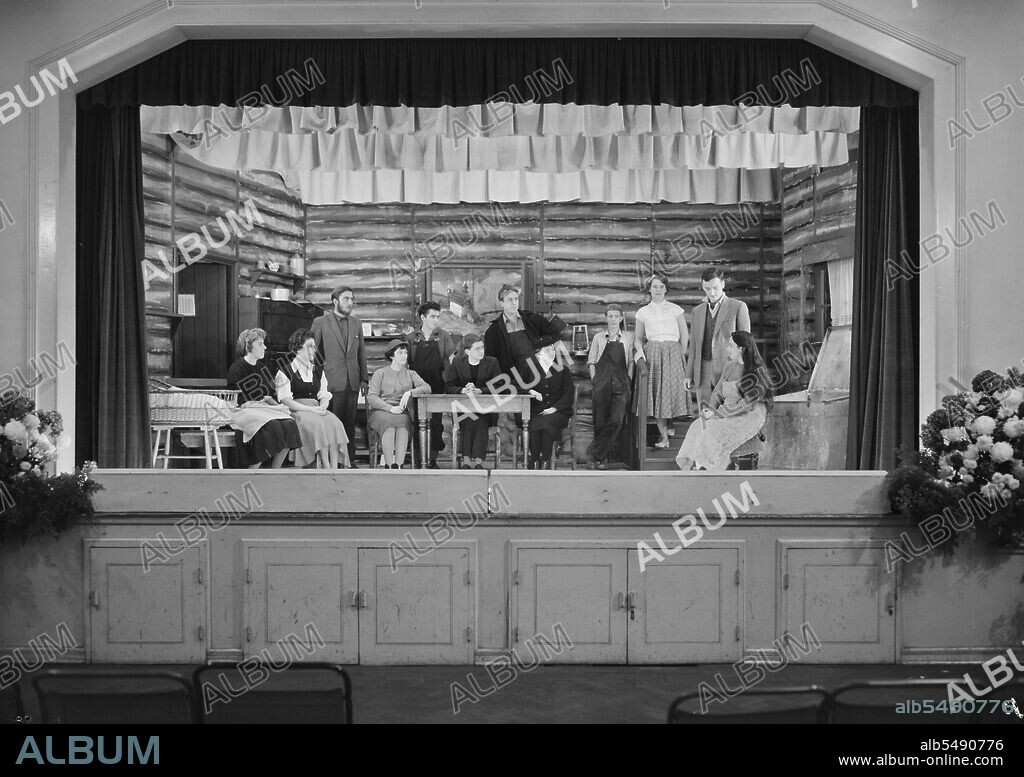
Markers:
point(611, 369)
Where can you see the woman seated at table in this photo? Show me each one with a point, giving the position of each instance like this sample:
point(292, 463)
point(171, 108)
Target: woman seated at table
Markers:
point(266, 430)
point(550, 386)
point(469, 373)
point(388, 402)
point(302, 388)
point(737, 409)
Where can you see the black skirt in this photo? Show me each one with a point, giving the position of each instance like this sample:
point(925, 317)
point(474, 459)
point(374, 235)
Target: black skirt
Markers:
point(272, 438)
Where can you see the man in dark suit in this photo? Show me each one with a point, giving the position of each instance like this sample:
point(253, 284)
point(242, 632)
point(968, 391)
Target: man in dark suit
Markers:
point(714, 321)
point(511, 336)
point(431, 350)
point(339, 341)
point(551, 387)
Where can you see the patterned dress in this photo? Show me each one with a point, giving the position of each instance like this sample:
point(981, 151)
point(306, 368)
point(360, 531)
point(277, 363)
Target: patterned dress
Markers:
point(710, 442)
point(667, 396)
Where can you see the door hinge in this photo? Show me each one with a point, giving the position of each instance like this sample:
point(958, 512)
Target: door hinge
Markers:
point(737, 633)
point(200, 632)
point(248, 633)
point(469, 577)
point(515, 634)
point(737, 577)
point(199, 575)
point(469, 633)
point(515, 577)
point(785, 580)
point(248, 575)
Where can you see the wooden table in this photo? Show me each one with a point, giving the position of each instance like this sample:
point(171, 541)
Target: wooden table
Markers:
point(480, 404)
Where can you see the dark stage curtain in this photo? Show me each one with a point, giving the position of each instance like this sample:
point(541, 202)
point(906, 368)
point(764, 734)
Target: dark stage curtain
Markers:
point(434, 72)
point(112, 401)
point(884, 359)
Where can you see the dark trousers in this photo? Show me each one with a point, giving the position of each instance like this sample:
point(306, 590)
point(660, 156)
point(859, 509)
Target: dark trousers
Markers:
point(609, 416)
point(544, 431)
point(473, 438)
point(343, 405)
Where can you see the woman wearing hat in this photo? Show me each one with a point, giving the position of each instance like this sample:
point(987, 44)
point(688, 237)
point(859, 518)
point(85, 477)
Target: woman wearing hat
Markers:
point(387, 399)
point(550, 385)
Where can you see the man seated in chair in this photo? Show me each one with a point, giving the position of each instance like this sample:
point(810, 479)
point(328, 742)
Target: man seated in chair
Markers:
point(550, 385)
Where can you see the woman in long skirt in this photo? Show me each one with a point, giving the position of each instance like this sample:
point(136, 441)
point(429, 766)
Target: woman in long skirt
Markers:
point(662, 338)
point(302, 388)
point(739, 405)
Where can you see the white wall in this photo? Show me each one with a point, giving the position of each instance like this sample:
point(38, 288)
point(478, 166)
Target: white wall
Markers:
point(987, 35)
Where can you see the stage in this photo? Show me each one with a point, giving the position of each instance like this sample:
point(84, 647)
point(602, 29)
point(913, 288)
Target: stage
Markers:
point(443, 567)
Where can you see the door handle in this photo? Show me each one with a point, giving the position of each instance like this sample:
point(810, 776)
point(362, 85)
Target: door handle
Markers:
point(355, 599)
point(631, 601)
point(890, 603)
point(94, 599)
point(362, 598)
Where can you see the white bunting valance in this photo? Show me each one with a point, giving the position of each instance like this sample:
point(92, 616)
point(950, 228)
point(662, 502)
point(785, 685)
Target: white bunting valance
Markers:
point(514, 153)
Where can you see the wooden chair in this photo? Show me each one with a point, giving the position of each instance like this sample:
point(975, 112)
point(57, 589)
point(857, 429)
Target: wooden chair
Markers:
point(301, 693)
point(799, 704)
point(12, 706)
point(83, 694)
point(496, 431)
point(747, 454)
point(375, 443)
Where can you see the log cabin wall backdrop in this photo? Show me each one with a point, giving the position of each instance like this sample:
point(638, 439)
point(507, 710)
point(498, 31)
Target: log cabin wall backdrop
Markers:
point(585, 256)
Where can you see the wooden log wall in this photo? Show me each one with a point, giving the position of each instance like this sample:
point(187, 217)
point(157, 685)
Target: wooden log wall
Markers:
point(586, 256)
point(183, 196)
point(819, 210)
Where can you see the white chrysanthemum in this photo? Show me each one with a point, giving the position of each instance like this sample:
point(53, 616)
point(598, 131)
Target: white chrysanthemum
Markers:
point(31, 421)
point(16, 431)
point(1011, 398)
point(1001, 451)
point(984, 443)
point(954, 434)
point(1014, 428)
point(968, 479)
point(984, 424)
point(971, 452)
point(970, 464)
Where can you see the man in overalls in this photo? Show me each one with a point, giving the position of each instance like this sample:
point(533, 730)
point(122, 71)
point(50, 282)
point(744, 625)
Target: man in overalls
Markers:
point(611, 370)
point(430, 351)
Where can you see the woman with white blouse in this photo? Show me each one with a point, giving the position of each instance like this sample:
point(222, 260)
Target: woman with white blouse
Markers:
point(662, 338)
point(302, 388)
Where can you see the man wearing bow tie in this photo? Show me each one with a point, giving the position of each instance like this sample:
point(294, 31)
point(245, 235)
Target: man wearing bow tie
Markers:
point(714, 321)
point(339, 341)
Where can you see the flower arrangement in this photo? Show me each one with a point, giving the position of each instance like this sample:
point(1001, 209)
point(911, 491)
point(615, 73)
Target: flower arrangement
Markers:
point(33, 500)
point(972, 447)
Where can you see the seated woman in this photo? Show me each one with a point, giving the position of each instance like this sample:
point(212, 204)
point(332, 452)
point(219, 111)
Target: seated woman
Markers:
point(265, 428)
point(469, 373)
point(302, 388)
point(737, 409)
point(551, 387)
point(387, 401)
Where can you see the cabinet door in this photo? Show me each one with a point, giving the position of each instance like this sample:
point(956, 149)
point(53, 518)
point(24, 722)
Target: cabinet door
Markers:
point(299, 596)
point(685, 609)
point(583, 590)
point(138, 615)
point(420, 613)
point(845, 598)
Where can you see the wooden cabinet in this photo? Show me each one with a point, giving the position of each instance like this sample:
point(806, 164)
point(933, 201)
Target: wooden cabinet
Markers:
point(417, 613)
point(304, 590)
point(145, 613)
point(682, 610)
point(358, 607)
point(686, 609)
point(844, 595)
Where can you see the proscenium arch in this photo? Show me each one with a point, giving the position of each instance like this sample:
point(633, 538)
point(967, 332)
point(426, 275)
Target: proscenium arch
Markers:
point(936, 73)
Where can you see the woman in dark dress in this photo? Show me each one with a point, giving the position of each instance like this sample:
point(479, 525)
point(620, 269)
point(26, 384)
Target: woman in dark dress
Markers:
point(265, 430)
point(551, 387)
point(470, 373)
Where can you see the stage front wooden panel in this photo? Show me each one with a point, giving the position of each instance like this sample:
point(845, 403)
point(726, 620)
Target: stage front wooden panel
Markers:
point(142, 613)
point(410, 567)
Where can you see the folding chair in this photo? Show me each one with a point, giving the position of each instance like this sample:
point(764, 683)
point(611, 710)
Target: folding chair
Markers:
point(298, 693)
point(82, 694)
point(797, 704)
point(878, 701)
point(570, 431)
